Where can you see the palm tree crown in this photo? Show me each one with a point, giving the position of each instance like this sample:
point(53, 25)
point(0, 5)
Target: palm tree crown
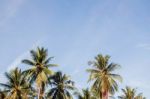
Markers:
point(39, 71)
point(16, 86)
point(61, 84)
point(130, 93)
point(103, 76)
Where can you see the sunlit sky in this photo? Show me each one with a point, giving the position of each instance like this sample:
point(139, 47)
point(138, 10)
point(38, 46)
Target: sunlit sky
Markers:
point(75, 31)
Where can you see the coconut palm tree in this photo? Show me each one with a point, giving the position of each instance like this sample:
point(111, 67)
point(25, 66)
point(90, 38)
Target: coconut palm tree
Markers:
point(17, 86)
point(39, 71)
point(105, 81)
point(61, 85)
point(87, 94)
point(130, 93)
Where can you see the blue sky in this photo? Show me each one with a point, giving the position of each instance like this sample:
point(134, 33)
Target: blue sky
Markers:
point(75, 31)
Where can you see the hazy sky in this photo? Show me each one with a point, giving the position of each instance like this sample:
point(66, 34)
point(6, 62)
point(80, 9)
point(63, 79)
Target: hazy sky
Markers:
point(75, 31)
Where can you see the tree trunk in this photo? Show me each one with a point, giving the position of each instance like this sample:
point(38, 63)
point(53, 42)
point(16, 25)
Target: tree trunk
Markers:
point(105, 95)
point(100, 95)
point(40, 93)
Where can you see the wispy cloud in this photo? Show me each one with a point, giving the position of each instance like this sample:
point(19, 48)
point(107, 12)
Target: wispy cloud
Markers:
point(24, 55)
point(144, 46)
point(17, 61)
point(9, 10)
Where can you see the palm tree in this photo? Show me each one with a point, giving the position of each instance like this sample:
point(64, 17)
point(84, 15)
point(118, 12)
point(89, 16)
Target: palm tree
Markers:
point(39, 71)
point(17, 86)
point(130, 93)
point(87, 94)
point(61, 85)
point(103, 76)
